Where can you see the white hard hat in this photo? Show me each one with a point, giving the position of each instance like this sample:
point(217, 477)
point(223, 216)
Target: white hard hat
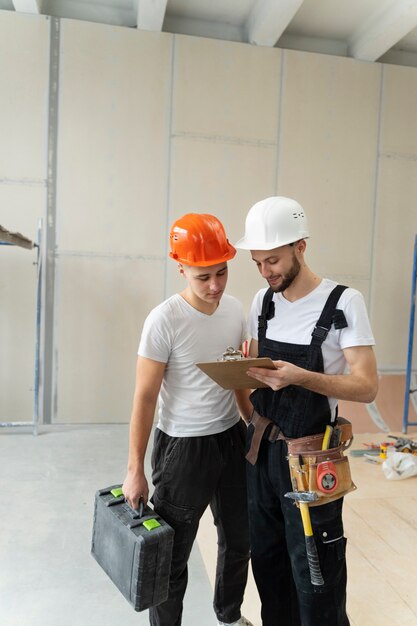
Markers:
point(272, 223)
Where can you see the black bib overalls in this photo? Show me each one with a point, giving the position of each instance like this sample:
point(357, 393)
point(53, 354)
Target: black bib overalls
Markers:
point(278, 554)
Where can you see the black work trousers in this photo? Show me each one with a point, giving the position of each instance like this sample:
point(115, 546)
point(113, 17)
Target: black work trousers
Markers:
point(190, 473)
point(278, 551)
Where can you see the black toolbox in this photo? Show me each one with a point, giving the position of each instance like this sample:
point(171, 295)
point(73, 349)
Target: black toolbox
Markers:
point(133, 548)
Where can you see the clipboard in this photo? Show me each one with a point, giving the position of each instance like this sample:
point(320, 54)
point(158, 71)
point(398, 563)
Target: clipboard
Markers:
point(232, 374)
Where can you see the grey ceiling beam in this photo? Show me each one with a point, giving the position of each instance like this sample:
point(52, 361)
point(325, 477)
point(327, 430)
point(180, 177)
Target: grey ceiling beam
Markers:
point(203, 28)
point(268, 20)
point(151, 14)
point(114, 12)
point(335, 47)
point(399, 57)
point(28, 6)
point(383, 30)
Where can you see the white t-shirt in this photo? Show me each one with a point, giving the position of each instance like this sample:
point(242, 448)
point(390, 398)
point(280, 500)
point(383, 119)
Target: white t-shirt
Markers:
point(294, 322)
point(190, 403)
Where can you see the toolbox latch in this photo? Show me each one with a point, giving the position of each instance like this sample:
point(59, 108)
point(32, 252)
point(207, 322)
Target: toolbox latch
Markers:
point(151, 524)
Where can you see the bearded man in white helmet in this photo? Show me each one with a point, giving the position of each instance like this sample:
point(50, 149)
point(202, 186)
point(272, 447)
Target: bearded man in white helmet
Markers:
point(313, 329)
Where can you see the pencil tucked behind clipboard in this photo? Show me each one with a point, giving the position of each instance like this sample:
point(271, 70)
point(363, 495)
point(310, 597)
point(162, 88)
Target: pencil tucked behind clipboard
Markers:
point(232, 374)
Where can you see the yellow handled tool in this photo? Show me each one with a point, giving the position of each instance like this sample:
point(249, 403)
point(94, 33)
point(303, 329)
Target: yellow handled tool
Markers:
point(303, 498)
point(327, 436)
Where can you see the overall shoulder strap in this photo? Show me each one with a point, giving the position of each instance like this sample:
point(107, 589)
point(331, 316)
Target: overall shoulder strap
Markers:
point(330, 315)
point(267, 313)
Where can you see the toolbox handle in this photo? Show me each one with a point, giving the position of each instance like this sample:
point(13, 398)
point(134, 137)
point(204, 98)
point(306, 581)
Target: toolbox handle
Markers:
point(118, 496)
point(139, 517)
point(149, 520)
point(136, 513)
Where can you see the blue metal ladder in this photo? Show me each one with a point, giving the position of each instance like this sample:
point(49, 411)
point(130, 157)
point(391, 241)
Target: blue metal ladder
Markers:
point(409, 391)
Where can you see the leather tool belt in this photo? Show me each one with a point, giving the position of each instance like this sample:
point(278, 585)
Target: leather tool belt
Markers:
point(264, 429)
point(325, 472)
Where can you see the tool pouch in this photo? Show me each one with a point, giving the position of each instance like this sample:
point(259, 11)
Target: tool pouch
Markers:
point(325, 472)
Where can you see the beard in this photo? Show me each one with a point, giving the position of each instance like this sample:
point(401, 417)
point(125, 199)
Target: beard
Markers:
point(289, 277)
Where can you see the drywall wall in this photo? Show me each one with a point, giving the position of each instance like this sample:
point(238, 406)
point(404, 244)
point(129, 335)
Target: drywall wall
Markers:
point(148, 126)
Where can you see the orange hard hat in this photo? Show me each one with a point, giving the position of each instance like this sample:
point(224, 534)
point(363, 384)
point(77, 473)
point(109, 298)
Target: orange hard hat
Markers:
point(199, 239)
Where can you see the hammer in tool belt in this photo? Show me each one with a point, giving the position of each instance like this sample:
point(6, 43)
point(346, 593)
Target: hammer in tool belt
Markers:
point(303, 498)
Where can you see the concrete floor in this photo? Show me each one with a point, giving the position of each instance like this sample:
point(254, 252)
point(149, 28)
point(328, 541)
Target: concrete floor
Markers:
point(47, 575)
point(49, 578)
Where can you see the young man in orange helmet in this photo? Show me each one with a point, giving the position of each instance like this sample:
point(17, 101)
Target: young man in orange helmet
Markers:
point(198, 453)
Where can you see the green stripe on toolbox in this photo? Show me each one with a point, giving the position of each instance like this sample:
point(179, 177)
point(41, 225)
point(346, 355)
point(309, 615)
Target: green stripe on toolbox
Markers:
point(150, 524)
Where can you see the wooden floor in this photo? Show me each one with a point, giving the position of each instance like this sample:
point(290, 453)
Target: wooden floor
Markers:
point(381, 527)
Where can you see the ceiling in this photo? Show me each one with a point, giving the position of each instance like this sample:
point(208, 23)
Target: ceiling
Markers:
point(368, 30)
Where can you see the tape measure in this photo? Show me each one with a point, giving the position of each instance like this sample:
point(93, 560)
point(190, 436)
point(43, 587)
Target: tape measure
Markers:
point(326, 477)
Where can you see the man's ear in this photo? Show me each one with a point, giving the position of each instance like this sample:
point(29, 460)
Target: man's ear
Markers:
point(301, 246)
point(181, 269)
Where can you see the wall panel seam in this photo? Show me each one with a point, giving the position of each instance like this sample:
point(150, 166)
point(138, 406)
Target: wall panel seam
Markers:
point(280, 100)
point(109, 255)
point(169, 160)
point(30, 182)
point(398, 156)
point(371, 296)
point(47, 342)
point(226, 139)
